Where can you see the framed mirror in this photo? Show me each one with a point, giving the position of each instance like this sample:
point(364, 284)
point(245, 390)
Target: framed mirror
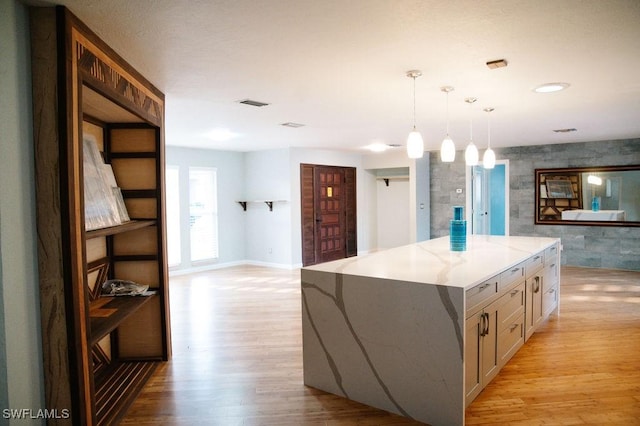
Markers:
point(597, 196)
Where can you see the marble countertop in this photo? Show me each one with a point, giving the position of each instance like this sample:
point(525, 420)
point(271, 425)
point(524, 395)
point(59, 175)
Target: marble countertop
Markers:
point(431, 262)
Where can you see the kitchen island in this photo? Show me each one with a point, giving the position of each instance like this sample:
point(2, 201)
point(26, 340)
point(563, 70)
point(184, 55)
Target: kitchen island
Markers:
point(419, 330)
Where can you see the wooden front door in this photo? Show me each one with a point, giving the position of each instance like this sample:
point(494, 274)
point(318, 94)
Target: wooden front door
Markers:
point(328, 213)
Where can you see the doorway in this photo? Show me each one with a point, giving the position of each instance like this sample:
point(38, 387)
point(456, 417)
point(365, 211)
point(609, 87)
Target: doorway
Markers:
point(489, 197)
point(328, 213)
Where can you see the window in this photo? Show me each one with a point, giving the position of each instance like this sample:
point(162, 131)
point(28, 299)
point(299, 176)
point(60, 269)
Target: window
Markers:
point(173, 215)
point(203, 214)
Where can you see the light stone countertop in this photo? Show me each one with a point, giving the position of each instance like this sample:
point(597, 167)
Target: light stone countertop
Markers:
point(431, 262)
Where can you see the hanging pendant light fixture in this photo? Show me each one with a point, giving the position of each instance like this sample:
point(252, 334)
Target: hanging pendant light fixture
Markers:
point(448, 148)
point(415, 145)
point(489, 157)
point(471, 153)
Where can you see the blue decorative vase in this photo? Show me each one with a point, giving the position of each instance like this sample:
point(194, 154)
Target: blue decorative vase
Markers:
point(595, 204)
point(458, 230)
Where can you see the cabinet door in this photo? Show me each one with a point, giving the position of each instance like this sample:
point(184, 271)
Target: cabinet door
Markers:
point(489, 335)
point(533, 311)
point(472, 357)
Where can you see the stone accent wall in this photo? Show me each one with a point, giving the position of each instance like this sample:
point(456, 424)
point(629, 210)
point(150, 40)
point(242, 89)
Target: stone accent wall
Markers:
point(595, 246)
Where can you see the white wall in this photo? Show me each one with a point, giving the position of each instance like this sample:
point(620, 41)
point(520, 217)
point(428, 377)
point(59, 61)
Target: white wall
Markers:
point(231, 218)
point(268, 233)
point(273, 238)
point(393, 213)
point(21, 374)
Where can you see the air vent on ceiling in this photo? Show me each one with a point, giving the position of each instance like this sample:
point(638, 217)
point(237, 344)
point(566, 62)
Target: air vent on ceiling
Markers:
point(498, 63)
point(253, 103)
point(292, 125)
point(565, 130)
point(393, 145)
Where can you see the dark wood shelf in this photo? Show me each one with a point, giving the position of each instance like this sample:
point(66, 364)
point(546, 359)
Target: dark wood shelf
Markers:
point(106, 313)
point(125, 227)
point(117, 386)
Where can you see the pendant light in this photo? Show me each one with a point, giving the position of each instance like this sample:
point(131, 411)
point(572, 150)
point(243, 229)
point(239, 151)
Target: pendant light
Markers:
point(471, 153)
point(415, 145)
point(489, 157)
point(448, 148)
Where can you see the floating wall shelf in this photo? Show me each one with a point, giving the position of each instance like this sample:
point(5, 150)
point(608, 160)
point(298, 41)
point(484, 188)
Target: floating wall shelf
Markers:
point(386, 179)
point(267, 202)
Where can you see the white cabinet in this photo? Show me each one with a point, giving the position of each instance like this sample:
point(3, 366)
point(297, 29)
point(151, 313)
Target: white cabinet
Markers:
point(481, 356)
point(551, 281)
point(511, 323)
point(534, 277)
point(503, 312)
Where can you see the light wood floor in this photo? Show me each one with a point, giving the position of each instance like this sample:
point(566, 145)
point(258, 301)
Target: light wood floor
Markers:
point(237, 359)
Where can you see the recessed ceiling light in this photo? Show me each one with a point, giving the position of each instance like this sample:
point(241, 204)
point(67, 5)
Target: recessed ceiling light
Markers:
point(292, 125)
point(253, 103)
point(378, 147)
point(551, 87)
point(220, 134)
point(569, 130)
point(381, 146)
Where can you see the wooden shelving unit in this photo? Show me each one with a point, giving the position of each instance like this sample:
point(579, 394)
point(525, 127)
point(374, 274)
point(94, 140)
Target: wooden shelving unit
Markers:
point(125, 227)
point(113, 344)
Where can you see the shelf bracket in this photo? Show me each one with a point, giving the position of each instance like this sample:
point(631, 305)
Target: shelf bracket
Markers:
point(386, 181)
point(270, 204)
point(243, 204)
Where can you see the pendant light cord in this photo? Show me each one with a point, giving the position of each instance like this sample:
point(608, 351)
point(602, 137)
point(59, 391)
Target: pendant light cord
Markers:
point(488, 129)
point(414, 103)
point(470, 123)
point(447, 113)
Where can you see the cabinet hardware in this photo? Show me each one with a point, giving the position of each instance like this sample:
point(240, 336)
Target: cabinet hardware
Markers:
point(514, 270)
point(513, 327)
point(483, 286)
point(537, 286)
point(514, 292)
point(485, 324)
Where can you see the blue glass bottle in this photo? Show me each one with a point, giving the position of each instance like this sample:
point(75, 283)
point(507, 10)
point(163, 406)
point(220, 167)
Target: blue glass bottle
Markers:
point(595, 204)
point(458, 230)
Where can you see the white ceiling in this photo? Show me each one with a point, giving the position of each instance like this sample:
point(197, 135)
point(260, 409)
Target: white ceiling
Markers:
point(339, 67)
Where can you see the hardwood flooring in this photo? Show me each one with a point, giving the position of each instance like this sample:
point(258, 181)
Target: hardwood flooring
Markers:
point(237, 359)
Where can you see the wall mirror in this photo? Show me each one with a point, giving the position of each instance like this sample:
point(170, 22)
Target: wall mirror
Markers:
point(600, 196)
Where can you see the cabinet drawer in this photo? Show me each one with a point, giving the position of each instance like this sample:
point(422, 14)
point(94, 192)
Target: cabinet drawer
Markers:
point(479, 294)
point(511, 306)
point(549, 300)
point(551, 254)
point(534, 264)
point(551, 273)
point(512, 275)
point(510, 339)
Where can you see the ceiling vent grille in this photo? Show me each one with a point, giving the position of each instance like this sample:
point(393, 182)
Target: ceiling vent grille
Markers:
point(498, 63)
point(253, 103)
point(566, 130)
point(292, 125)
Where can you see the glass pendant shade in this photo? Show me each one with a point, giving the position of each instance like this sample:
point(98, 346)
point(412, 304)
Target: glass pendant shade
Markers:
point(415, 145)
point(447, 150)
point(471, 154)
point(489, 159)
